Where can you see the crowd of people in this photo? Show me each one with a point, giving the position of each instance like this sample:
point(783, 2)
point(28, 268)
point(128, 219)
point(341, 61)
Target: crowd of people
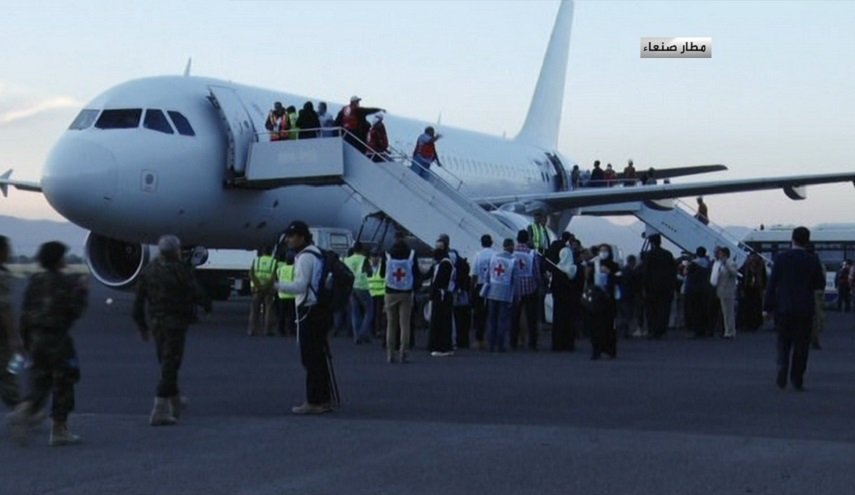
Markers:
point(499, 298)
point(352, 123)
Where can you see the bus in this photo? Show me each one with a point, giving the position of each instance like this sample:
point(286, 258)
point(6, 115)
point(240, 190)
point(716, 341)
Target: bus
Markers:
point(832, 242)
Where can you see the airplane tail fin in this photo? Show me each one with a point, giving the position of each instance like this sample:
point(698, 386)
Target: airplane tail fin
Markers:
point(544, 115)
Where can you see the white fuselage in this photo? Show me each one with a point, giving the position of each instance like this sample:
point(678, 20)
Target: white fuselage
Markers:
point(135, 184)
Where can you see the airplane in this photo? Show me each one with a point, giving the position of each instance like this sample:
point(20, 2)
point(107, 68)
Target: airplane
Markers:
point(151, 156)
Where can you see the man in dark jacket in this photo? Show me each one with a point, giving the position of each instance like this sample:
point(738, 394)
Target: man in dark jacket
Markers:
point(796, 275)
point(441, 302)
point(660, 278)
point(308, 119)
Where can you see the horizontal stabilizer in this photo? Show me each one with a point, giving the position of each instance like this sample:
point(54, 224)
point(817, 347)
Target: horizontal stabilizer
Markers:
point(21, 185)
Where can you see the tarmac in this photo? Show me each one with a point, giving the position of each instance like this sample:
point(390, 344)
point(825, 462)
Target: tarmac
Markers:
point(677, 416)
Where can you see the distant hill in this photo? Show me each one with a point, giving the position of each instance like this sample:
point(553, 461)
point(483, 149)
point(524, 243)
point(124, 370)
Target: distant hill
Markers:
point(26, 235)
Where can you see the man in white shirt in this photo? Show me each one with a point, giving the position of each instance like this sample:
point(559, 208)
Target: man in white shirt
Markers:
point(480, 274)
point(312, 319)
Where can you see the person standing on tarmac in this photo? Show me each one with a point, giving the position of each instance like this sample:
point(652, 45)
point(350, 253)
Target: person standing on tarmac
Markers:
point(441, 303)
point(261, 278)
point(402, 277)
point(169, 289)
point(10, 339)
point(500, 292)
point(312, 319)
point(361, 304)
point(377, 291)
point(528, 281)
point(796, 274)
point(480, 274)
point(538, 234)
point(287, 310)
point(52, 302)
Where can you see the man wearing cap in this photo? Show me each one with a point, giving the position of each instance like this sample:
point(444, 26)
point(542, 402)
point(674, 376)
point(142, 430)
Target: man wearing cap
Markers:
point(378, 141)
point(169, 289)
point(52, 302)
point(312, 320)
point(352, 118)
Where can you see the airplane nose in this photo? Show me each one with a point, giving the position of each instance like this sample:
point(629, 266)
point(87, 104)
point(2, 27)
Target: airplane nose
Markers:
point(79, 179)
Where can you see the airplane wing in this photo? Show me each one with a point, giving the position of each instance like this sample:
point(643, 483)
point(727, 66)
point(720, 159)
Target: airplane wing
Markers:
point(668, 173)
point(591, 196)
point(21, 185)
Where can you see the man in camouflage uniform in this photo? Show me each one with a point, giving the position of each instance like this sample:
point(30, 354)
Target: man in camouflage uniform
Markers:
point(169, 288)
point(52, 302)
point(10, 341)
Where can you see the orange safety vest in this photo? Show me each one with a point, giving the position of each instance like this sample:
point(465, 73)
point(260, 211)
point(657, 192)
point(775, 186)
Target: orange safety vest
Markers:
point(349, 118)
point(427, 150)
point(280, 127)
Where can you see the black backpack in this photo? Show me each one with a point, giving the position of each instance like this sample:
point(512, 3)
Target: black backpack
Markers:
point(336, 281)
point(462, 280)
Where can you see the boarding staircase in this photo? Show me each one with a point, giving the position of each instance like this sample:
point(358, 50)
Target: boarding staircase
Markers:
point(426, 206)
point(671, 219)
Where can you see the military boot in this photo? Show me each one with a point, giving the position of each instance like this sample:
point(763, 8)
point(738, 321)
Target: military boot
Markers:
point(161, 414)
point(59, 435)
point(177, 404)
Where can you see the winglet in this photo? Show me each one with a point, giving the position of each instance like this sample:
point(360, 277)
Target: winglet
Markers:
point(187, 67)
point(4, 187)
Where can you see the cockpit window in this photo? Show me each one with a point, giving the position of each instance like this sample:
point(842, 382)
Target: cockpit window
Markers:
point(126, 118)
point(84, 119)
point(156, 121)
point(181, 123)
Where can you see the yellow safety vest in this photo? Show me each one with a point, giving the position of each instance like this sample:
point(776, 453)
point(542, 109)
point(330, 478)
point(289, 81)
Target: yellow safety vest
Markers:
point(285, 273)
point(538, 233)
point(263, 269)
point(376, 284)
point(355, 262)
point(295, 131)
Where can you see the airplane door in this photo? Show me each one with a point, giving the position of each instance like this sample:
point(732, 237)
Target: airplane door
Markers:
point(561, 178)
point(240, 132)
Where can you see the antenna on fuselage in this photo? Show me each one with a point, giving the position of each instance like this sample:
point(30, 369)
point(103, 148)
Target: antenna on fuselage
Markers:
point(187, 67)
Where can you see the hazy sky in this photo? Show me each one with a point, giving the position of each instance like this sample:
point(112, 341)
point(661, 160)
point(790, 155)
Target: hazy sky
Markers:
point(775, 99)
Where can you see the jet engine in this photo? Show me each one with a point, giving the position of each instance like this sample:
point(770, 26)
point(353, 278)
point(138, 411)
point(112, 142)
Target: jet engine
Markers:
point(116, 264)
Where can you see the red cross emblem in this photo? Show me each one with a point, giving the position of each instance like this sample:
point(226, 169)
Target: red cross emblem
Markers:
point(522, 264)
point(500, 270)
point(399, 274)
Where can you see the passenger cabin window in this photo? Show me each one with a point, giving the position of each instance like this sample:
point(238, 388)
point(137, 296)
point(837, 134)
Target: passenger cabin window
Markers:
point(84, 119)
point(156, 121)
point(181, 123)
point(126, 118)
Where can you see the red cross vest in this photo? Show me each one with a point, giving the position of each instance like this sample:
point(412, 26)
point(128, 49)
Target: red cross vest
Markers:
point(502, 268)
point(399, 273)
point(525, 263)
